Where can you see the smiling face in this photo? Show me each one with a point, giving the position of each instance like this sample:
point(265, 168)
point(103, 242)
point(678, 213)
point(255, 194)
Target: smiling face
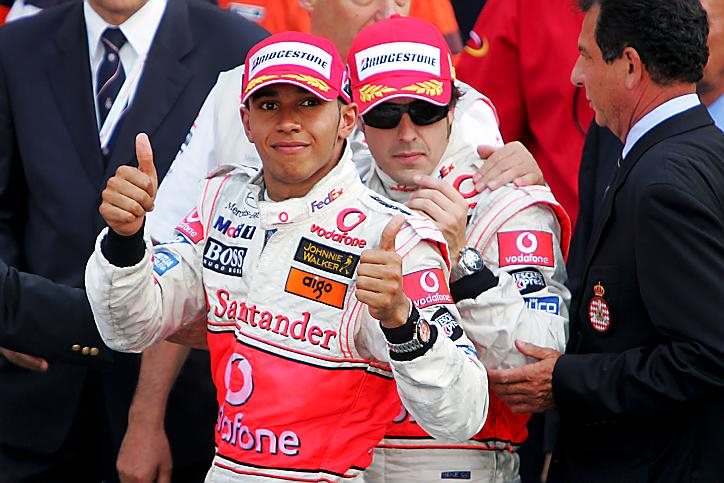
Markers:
point(298, 136)
point(408, 149)
point(341, 20)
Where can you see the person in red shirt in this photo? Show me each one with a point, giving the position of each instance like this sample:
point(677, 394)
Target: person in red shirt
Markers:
point(520, 55)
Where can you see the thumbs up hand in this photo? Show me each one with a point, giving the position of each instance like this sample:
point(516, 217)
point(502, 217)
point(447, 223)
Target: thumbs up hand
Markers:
point(130, 194)
point(379, 279)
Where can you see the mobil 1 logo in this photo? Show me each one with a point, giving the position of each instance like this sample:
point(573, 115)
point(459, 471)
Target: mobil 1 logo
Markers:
point(223, 259)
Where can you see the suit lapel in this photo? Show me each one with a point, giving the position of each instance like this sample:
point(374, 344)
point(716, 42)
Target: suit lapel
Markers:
point(70, 79)
point(688, 120)
point(163, 81)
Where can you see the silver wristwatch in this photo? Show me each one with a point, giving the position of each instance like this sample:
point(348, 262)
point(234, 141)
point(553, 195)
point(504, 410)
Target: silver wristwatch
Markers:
point(420, 337)
point(469, 262)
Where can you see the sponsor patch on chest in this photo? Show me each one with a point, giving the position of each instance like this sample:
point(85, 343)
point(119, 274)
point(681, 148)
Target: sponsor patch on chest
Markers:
point(224, 259)
point(326, 258)
point(315, 287)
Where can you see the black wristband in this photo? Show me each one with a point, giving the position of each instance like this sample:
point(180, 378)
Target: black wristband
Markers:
point(406, 333)
point(123, 251)
point(471, 286)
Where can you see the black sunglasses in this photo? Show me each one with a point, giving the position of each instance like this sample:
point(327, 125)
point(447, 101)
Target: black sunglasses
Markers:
point(388, 115)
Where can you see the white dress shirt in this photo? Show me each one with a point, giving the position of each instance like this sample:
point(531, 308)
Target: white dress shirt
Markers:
point(139, 29)
point(663, 112)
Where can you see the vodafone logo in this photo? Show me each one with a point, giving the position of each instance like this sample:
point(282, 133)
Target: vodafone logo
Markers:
point(526, 242)
point(525, 248)
point(425, 288)
point(429, 282)
point(238, 373)
point(349, 218)
point(191, 227)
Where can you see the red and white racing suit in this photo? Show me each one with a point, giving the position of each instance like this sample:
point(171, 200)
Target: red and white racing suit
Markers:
point(523, 236)
point(217, 137)
point(304, 378)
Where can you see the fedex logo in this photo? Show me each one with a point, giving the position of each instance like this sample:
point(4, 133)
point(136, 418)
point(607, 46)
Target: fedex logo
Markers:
point(525, 248)
point(234, 231)
point(331, 196)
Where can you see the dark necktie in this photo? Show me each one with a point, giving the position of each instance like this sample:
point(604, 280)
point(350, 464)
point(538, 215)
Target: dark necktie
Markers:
point(110, 75)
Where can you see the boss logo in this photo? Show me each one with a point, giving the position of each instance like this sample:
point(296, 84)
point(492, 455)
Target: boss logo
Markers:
point(223, 259)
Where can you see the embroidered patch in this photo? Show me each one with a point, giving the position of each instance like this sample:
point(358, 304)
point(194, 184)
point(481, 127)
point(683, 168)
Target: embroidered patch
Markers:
point(427, 287)
point(599, 313)
point(525, 248)
point(326, 258)
point(315, 287)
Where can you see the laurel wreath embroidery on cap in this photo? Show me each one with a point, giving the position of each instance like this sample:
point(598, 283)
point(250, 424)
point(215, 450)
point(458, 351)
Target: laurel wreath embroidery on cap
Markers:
point(308, 79)
point(255, 82)
point(429, 88)
point(369, 92)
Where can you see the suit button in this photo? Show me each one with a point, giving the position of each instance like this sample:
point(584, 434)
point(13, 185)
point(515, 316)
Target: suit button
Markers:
point(85, 351)
point(94, 351)
point(75, 347)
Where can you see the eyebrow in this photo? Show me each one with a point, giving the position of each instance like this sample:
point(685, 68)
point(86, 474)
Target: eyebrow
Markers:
point(272, 92)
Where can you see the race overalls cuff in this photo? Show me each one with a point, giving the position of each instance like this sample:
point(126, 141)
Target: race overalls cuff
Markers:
point(412, 339)
point(123, 251)
point(473, 285)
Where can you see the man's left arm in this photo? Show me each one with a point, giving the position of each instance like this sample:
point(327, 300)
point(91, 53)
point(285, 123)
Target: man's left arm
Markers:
point(679, 264)
point(145, 454)
point(441, 382)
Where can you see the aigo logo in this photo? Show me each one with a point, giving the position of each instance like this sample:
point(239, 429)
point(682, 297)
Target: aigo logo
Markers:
point(349, 218)
point(237, 368)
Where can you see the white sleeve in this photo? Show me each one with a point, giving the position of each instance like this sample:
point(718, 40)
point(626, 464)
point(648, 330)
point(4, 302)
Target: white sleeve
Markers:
point(135, 307)
point(530, 301)
point(181, 186)
point(446, 388)
point(476, 121)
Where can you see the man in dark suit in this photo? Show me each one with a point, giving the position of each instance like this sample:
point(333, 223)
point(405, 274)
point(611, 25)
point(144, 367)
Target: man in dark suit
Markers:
point(641, 386)
point(24, 326)
point(71, 103)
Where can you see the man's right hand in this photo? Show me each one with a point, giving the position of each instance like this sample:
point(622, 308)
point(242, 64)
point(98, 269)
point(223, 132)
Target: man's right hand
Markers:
point(130, 194)
point(25, 360)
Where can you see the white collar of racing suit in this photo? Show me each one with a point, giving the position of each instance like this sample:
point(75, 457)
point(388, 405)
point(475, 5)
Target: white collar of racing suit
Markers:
point(341, 182)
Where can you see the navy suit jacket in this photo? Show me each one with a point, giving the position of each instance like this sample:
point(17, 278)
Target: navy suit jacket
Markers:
point(52, 174)
point(641, 395)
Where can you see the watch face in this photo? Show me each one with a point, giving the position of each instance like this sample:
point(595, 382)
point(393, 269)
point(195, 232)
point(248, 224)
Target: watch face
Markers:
point(423, 331)
point(472, 259)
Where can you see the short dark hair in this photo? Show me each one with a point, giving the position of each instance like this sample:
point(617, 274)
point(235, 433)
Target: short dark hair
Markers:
point(669, 35)
point(457, 93)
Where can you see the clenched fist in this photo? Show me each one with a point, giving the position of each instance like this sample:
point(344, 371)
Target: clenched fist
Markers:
point(130, 194)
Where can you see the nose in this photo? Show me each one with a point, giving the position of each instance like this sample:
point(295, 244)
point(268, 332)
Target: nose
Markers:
point(406, 130)
point(576, 74)
point(288, 121)
point(387, 9)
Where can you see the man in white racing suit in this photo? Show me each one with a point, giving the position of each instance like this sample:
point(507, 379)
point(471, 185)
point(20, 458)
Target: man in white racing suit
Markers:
point(305, 312)
point(507, 246)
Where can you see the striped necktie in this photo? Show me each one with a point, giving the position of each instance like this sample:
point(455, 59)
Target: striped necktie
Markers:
point(110, 76)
